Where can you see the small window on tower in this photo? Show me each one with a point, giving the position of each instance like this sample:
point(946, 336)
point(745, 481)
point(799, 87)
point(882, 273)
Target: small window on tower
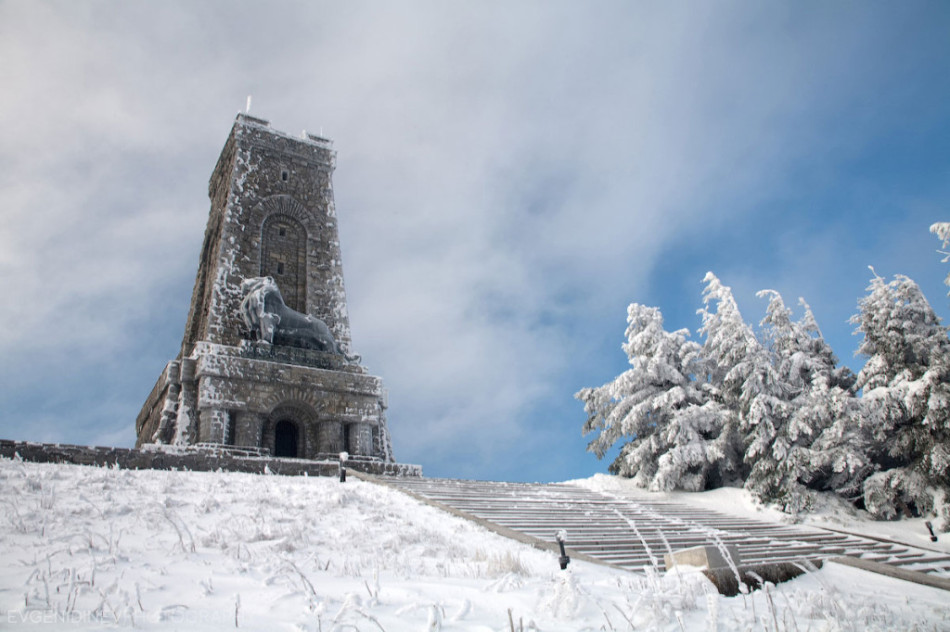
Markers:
point(280, 268)
point(282, 231)
point(284, 175)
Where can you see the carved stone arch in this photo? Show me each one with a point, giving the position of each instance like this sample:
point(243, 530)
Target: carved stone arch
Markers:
point(285, 205)
point(286, 229)
point(284, 258)
point(287, 430)
point(313, 400)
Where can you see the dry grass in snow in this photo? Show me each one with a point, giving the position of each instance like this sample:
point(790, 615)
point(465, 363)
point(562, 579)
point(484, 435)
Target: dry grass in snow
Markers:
point(84, 548)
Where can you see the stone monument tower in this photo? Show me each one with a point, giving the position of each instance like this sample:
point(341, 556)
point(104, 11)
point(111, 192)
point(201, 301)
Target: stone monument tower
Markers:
point(265, 364)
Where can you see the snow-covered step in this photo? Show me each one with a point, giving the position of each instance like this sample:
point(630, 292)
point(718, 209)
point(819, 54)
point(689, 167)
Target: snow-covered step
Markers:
point(633, 533)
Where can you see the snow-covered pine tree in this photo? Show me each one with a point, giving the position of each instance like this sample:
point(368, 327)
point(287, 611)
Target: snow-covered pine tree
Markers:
point(812, 394)
point(826, 416)
point(906, 398)
point(741, 371)
point(767, 408)
point(659, 407)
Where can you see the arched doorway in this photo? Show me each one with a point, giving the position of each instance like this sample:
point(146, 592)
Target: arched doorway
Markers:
point(286, 439)
point(288, 430)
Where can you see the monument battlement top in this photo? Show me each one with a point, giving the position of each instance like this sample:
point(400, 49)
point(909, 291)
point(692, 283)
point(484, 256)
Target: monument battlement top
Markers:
point(321, 141)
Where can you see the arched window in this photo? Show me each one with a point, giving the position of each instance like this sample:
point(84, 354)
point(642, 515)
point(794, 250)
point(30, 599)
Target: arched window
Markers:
point(284, 257)
point(286, 439)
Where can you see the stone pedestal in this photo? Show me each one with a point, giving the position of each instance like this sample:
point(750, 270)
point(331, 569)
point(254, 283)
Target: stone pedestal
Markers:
point(244, 401)
point(704, 557)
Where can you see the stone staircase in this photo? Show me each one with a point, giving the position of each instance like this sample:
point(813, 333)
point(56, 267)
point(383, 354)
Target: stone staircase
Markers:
point(635, 533)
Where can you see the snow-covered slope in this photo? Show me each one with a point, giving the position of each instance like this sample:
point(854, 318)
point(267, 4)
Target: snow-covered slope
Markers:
point(81, 547)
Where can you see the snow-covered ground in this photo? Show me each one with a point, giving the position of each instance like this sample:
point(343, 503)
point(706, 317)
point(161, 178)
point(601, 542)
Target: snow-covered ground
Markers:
point(84, 548)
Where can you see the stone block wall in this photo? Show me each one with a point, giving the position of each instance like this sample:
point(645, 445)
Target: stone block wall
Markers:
point(198, 459)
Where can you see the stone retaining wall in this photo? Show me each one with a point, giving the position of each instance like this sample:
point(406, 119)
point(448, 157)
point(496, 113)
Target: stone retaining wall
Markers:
point(196, 459)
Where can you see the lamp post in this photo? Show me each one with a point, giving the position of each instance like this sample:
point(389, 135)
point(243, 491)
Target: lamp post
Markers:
point(930, 527)
point(564, 560)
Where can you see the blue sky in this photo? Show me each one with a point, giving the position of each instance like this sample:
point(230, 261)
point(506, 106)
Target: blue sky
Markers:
point(510, 176)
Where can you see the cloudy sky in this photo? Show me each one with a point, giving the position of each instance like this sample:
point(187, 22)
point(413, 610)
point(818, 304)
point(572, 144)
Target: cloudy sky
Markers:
point(510, 176)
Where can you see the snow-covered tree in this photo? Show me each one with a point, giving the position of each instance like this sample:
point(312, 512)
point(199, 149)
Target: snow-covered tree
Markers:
point(837, 460)
point(742, 379)
point(776, 412)
point(906, 397)
point(811, 395)
point(660, 408)
point(903, 336)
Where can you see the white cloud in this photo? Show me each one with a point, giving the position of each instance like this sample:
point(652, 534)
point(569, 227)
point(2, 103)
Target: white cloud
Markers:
point(506, 171)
